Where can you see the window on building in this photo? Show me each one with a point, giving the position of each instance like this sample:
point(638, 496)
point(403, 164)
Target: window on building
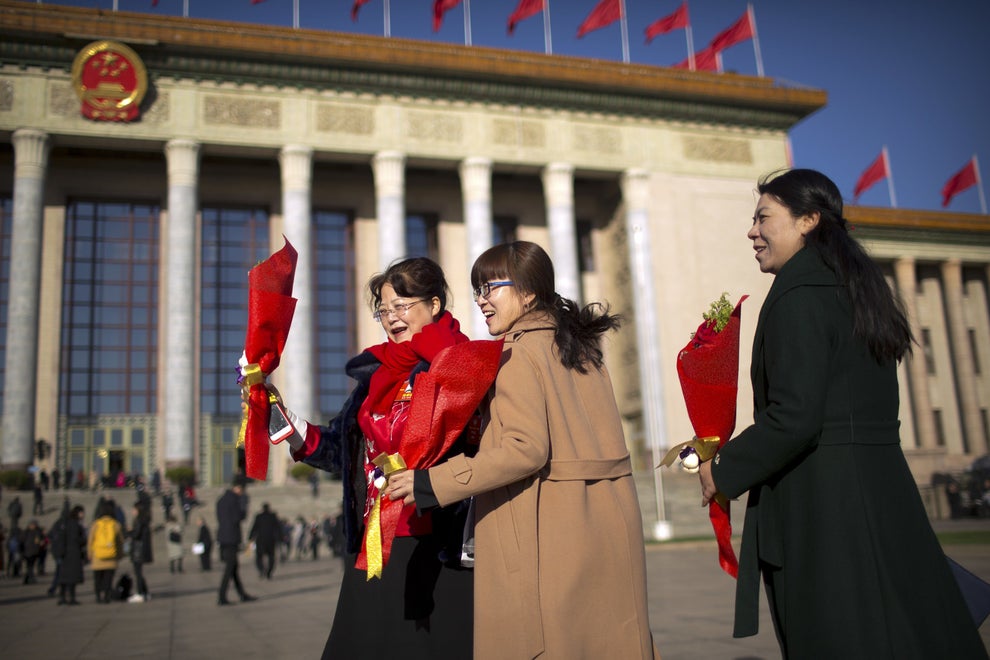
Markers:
point(939, 427)
point(974, 350)
point(421, 236)
point(6, 224)
point(335, 307)
point(504, 229)
point(109, 338)
point(234, 240)
point(585, 246)
point(926, 346)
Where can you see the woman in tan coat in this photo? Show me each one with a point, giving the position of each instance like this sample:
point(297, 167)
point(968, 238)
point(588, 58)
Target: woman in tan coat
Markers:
point(560, 570)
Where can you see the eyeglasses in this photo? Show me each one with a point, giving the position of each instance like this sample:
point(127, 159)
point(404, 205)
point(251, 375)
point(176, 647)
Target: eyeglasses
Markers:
point(485, 289)
point(399, 309)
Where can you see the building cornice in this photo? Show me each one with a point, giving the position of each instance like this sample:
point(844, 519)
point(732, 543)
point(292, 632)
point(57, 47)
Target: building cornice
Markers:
point(44, 35)
point(912, 225)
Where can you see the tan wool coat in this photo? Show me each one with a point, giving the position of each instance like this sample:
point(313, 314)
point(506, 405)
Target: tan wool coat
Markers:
point(560, 569)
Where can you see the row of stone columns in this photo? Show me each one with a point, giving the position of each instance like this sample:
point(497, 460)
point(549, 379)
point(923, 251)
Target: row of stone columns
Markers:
point(182, 156)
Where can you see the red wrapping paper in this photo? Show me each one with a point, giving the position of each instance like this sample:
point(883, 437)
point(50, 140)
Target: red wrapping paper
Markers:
point(443, 402)
point(708, 368)
point(270, 310)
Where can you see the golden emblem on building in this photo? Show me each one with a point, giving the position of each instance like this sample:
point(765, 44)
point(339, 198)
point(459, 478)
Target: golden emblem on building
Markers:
point(110, 80)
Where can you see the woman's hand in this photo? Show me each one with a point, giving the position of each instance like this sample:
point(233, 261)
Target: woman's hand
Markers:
point(708, 489)
point(400, 487)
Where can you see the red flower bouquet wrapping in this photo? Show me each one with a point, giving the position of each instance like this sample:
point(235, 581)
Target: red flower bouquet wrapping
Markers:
point(443, 402)
point(270, 310)
point(708, 368)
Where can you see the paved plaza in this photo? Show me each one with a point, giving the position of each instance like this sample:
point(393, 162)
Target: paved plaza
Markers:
point(691, 604)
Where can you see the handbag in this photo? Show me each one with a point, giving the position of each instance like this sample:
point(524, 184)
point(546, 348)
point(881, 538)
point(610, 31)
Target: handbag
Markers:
point(198, 548)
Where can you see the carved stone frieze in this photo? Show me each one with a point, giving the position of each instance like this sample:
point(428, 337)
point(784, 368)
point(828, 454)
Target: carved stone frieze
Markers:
point(337, 119)
point(597, 139)
point(62, 100)
point(248, 113)
point(434, 127)
point(6, 95)
point(519, 133)
point(720, 150)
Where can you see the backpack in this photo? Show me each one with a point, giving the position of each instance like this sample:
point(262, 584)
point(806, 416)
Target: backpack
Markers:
point(104, 539)
point(123, 588)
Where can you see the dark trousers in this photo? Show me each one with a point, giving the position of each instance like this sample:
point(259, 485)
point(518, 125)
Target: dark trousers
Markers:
point(103, 584)
point(140, 585)
point(204, 559)
point(265, 561)
point(228, 555)
point(29, 572)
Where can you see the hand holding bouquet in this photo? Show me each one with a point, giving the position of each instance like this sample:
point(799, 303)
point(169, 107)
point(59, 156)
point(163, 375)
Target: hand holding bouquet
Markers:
point(270, 310)
point(708, 368)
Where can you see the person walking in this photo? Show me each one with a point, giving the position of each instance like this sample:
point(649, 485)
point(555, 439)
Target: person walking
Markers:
point(69, 549)
point(141, 551)
point(173, 545)
point(106, 547)
point(265, 532)
point(205, 539)
point(231, 511)
point(834, 525)
point(15, 510)
point(31, 541)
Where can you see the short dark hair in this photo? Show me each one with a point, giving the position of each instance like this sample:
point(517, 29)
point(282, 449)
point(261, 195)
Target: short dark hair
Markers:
point(417, 277)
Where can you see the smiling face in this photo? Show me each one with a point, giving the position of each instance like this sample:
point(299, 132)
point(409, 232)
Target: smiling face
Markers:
point(420, 313)
point(776, 234)
point(503, 307)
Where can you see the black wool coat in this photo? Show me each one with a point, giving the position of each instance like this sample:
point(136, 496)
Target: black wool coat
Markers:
point(834, 521)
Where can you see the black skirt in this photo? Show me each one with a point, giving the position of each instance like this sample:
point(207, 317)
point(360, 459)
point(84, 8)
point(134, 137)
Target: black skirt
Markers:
point(421, 607)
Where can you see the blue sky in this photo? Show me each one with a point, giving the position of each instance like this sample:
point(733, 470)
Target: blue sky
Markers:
point(910, 75)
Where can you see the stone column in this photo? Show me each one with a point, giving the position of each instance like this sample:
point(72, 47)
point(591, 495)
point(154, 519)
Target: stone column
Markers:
point(558, 189)
point(181, 430)
point(476, 187)
point(298, 364)
point(390, 199)
point(924, 420)
point(20, 384)
point(635, 193)
point(962, 354)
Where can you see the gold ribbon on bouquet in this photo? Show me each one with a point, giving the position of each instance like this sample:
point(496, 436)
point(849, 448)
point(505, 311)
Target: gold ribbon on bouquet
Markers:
point(250, 375)
point(389, 464)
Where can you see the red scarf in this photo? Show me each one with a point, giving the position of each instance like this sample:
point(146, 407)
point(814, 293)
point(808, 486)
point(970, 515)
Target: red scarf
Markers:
point(398, 360)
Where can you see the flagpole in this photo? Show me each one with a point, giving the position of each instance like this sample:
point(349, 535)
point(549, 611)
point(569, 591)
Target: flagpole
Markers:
point(295, 14)
point(625, 31)
point(979, 185)
point(690, 45)
point(388, 20)
point(756, 40)
point(185, 8)
point(547, 40)
point(467, 22)
point(890, 178)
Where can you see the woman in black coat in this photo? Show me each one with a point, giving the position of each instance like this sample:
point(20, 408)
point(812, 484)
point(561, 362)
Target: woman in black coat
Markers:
point(834, 522)
point(141, 554)
point(69, 550)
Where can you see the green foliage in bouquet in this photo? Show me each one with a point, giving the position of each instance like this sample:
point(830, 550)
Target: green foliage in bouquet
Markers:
point(719, 312)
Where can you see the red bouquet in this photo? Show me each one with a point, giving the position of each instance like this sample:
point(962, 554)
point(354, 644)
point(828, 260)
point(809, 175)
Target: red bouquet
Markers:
point(270, 309)
point(708, 368)
point(444, 400)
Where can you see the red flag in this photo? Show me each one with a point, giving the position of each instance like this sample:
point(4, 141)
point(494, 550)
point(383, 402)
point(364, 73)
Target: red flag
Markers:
point(356, 7)
point(605, 13)
point(704, 60)
point(256, 2)
point(441, 7)
point(739, 31)
point(960, 181)
point(877, 171)
point(675, 21)
point(524, 10)
point(154, 3)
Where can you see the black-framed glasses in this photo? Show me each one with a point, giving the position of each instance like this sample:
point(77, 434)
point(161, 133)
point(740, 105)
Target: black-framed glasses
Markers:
point(485, 289)
point(398, 309)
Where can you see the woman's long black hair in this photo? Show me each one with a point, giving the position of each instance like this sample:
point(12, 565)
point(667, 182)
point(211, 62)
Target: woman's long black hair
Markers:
point(579, 330)
point(878, 317)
